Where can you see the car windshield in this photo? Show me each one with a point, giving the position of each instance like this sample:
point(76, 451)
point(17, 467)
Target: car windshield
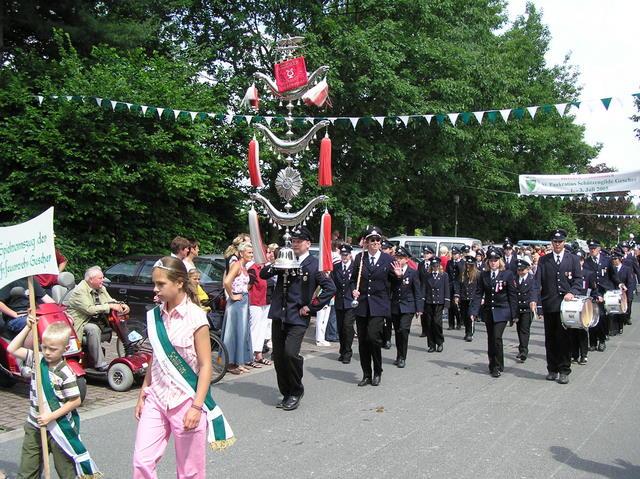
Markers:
point(416, 247)
point(210, 271)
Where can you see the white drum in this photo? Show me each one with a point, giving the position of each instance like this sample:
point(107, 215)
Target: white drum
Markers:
point(578, 313)
point(615, 302)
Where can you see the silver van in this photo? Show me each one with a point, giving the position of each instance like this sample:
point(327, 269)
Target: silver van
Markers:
point(415, 244)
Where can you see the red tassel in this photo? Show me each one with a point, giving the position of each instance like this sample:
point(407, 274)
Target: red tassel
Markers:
point(254, 164)
point(324, 169)
point(325, 258)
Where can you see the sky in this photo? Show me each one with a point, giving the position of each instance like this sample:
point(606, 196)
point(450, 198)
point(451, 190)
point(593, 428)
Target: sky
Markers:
point(601, 37)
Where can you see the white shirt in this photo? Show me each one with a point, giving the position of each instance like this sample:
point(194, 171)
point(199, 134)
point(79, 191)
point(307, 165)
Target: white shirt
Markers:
point(375, 257)
point(556, 255)
point(302, 257)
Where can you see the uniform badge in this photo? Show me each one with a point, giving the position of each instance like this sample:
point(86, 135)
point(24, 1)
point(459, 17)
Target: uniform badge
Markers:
point(305, 277)
point(406, 281)
point(569, 274)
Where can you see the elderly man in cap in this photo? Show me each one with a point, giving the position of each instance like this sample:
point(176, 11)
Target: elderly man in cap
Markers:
point(292, 305)
point(406, 301)
point(559, 275)
point(606, 280)
point(342, 273)
point(371, 283)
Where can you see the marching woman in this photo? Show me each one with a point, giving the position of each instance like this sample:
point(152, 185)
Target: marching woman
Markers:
point(436, 299)
point(175, 398)
point(497, 287)
point(464, 289)
point(406, 301)
point(236, 334)
point(479, 259)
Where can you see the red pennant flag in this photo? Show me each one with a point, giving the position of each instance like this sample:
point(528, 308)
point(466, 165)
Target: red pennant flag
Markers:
point(254, 164)
point(325, 259)
point(324, 169)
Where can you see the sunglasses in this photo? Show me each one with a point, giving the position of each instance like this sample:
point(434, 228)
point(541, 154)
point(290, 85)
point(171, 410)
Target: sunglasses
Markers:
point(375, 239)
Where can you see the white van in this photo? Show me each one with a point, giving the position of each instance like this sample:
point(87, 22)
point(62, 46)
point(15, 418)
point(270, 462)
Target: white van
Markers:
point(415, 243)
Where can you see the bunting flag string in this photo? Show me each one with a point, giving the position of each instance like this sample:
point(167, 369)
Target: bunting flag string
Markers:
point(404, 120)
point(590, 197)
point(609, 215)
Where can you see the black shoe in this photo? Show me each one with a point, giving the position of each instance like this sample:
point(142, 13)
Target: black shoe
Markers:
point(592, 348)
point(552, 376)
point(387, 345)
point(439, 348)
point(613, 333)
point(346, 360)
point(282, 401)
point(395, 362)
point(602, 346)
point(563, 379)
point(458, 327)
point(450, 328)
point(582, 361)
point(431, 350)
point(376, 380)
point(341, 358)
point(364, 381)
point(495, 373)
point(423, 335)
point(291, 403)
point(401, 363)
point(468, 338)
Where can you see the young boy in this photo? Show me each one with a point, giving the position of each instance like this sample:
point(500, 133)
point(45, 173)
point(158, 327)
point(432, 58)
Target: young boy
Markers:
point(62, 380)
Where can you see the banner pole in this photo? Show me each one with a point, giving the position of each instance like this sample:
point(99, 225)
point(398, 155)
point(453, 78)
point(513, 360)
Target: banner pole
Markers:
point(36, 365)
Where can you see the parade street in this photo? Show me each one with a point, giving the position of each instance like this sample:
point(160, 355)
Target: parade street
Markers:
point(442, 416)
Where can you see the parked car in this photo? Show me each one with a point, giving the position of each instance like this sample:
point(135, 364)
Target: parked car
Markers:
point(314, 250)
point(130, 281)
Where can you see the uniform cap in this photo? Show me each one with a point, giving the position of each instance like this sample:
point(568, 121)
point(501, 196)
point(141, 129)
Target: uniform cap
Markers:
point(522, 264)
point(373, 231)
point(593, 243)
point(507, 243)
point(345, 249)
point(428, 249)
point(470, 259)
point(386, 245)
point(494, 253)
point(302, 233)
point(402, 251)
point(559, 235)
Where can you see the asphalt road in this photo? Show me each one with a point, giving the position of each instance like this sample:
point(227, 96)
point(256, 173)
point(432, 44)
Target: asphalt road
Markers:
point(442, 416)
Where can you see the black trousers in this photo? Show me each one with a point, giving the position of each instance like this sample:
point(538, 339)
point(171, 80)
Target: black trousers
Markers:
point(346, 319)
point(557, 343)
point(433, 314)
point(387, 330)
point(402, 325)
point(455, 318)
point(495, 350)
point(601, 330)
point(287, 339)
point(466, 318)
point(524, 331)
point(370, 343)
point(629, 304)
point(617, 322)
point(423, 324)
point(579, 343)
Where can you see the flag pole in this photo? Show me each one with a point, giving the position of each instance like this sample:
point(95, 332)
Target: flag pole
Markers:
point(36, 365)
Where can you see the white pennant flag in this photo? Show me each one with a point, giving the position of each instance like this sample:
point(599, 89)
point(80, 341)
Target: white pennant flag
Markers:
point(128, 105)
point(505, 114)
point(99, 101)
point(113, 104)
point(404, 120)
point(68, 97)
point(176, 113)
point(268, 119)
point(332, 119)
point(560, 107)
point(248, 118)
point(160, 112)
point(229, 118)
point(453, 117)
point(354, 121)
point(193, 115)
point(211, 115)
point(144, 109)
point(532, 111)
point(428, 118)
point(478, 115)
point(379, 119)
point(55, 97)
point(40, 98)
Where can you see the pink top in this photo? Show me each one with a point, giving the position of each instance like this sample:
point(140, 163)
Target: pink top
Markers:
point(240, 283)
point(181, 325)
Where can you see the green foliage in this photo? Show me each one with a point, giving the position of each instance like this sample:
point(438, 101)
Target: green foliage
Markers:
point(121, 183)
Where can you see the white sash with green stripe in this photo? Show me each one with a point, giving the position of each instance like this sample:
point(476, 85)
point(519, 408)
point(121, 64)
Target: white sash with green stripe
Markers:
point(66, 435)
point(219, 433)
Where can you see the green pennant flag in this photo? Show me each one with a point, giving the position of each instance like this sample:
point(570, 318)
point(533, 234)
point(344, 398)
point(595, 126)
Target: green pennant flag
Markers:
point(492, 116)
point(606, 102)
point(440, 118)
point(576, 103)
point(518, 113)
point(547, 108)
point(466, 117)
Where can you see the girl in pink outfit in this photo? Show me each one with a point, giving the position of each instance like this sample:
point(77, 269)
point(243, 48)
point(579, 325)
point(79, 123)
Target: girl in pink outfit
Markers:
point(163, 407)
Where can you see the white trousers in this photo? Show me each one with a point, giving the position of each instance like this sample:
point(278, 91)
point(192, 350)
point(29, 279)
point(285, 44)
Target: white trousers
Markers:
point(259, 324)
point(322, 318)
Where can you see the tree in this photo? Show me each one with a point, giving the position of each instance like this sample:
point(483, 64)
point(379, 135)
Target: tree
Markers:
point(121, 182)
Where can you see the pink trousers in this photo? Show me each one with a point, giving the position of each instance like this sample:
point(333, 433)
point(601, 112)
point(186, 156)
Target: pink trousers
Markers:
point(155, 426)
